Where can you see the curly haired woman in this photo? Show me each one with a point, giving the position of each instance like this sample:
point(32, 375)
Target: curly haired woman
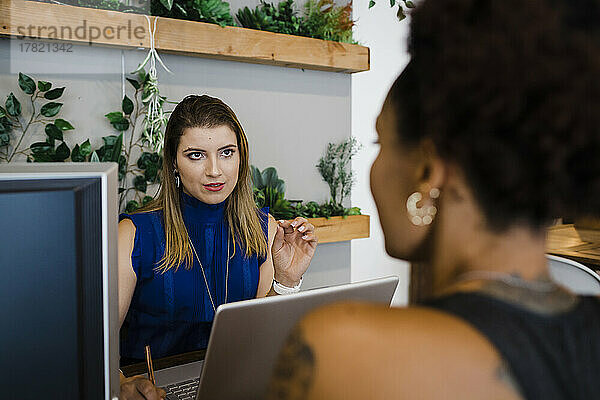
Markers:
point(490, 133)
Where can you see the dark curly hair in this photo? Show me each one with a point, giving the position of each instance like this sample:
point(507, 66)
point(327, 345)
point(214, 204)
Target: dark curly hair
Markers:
point(510, 91)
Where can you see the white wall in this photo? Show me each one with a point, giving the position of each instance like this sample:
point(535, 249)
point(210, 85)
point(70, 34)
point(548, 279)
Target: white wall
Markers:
point(380, 30)
point(289, 114)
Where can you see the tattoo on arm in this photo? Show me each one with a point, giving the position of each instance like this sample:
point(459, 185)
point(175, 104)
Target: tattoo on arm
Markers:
point(294, 371)
point(505, 376)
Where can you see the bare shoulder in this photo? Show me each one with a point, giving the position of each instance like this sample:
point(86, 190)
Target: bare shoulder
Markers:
point(383, 353)
point(126, 229)
point(272, 228)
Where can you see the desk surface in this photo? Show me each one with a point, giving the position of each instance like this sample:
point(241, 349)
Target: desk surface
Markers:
point(161, 363)
point(582, 245)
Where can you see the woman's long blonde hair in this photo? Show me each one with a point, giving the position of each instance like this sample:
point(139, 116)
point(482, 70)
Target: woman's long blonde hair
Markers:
point(240, 209)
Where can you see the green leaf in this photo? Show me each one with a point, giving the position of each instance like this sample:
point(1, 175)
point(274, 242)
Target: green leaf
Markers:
point(167, 4)
point(122, 167)
point(118, 120)
point(41, 147)
point(76, 154)
point(354, 211)
point(371, 4)
point(140, 184)
point(269, 176)
point(4, 139)
point(146, 200)
point(50, 109)
point(94, 157)
point(131, 206)
point(400, 14)
point(114, 116)
point(62, 152)
point(26, 83)
point(54, 93)
point(409, 4)
point(110, 140)
point(144, 160)
point(13, 107)
point(121, 125)
point(182, 10)
point(53, 132)
point(134, 83)
point(151, 173)
point(86, 148)
point(257, 178)
point(127, 105)
point(63, 125)
point(392, 3)
point(117, 149)
point(111, 149)
point(44, 86)
point(2, 112)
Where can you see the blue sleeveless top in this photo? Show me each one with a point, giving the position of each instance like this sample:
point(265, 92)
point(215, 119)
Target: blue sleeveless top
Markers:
point(172, 311)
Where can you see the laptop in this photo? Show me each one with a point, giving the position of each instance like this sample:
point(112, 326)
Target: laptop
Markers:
point(246, 337)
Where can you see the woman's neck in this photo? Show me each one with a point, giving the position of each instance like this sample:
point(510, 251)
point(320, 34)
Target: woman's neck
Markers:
point(518, 252)
point(510, 266)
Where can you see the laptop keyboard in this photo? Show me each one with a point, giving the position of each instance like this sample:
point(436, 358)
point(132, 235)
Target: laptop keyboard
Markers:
point(185, 390)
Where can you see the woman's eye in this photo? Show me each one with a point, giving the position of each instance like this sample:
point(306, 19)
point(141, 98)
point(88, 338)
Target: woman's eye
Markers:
point(195, 155)
point(227, 152)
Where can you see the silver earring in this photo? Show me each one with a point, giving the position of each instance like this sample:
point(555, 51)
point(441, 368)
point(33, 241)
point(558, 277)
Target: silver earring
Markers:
point(424, 215)
point(177, 180)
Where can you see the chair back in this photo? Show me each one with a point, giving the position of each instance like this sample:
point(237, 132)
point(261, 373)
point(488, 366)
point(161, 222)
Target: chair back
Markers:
point(573, 275)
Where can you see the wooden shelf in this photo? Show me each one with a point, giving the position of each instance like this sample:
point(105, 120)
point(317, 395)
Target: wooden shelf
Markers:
point(179, 37)
point(339, 229)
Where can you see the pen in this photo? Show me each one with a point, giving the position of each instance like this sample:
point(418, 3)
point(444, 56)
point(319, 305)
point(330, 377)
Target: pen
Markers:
point(149, 365)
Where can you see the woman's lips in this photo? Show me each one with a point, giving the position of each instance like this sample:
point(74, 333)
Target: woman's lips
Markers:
point(214, 187)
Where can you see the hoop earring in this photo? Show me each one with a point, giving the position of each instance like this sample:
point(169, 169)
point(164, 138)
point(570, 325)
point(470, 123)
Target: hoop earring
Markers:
point(420, 216)
point(177, 179)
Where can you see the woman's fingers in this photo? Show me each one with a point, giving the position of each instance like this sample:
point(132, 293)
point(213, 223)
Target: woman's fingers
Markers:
point(299, 224)
point(147, 389)
point(139, 388)
point(309, 237)
point(306, 227)
point(279, 237)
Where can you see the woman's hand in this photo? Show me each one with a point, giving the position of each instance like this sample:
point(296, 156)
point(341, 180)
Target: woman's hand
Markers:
point(140, 388)
point(293, 247)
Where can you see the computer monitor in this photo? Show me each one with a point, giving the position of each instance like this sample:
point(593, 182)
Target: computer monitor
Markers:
point(58, 281)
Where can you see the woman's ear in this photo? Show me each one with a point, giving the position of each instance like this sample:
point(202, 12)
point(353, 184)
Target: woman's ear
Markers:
point(431, 172)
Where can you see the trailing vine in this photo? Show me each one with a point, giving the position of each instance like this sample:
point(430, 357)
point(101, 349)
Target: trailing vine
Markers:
point(15, 125)
point(403, 7)
point(139, 163)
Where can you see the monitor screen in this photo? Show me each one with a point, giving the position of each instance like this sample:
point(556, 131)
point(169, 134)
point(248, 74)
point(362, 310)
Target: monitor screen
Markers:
point(52, 300)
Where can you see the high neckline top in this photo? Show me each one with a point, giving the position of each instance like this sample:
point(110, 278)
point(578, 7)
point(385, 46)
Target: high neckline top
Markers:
point(196, 210)
point(173, 311)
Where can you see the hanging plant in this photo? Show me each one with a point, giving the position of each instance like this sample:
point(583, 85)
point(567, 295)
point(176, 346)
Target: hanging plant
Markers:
point(139, 162)
point(401, 13)
point(155, 119)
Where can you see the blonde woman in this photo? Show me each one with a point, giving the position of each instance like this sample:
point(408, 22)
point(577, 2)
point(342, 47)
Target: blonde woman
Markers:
point(202, 242)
